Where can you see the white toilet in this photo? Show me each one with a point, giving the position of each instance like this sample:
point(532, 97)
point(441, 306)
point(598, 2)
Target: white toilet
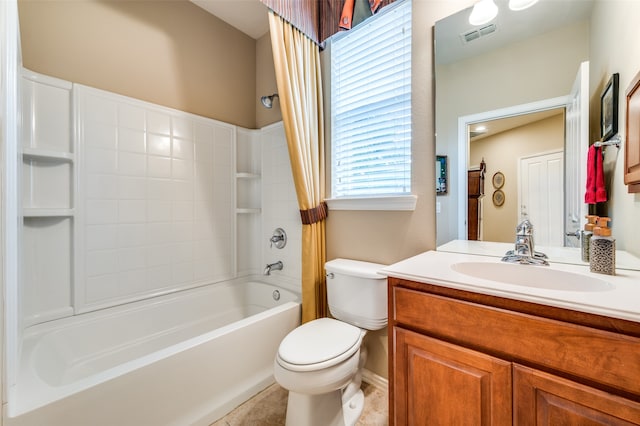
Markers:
point(320, 362)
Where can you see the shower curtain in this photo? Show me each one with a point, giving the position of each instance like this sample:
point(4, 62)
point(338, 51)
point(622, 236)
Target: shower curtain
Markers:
point(297, 63)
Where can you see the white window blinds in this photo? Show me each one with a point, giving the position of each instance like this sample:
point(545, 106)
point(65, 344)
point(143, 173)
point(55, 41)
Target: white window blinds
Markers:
point(371, 107)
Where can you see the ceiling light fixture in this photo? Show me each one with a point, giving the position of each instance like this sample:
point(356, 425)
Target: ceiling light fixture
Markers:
point(483, 12)
point(521, 4)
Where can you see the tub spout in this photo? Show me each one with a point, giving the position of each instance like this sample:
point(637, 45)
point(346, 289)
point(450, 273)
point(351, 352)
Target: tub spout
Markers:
point(273, 267)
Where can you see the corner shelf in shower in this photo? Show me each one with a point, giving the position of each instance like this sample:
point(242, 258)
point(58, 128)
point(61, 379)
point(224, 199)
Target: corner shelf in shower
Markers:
point(248, 211)
point(47, 155)
point(242, 175)
point(44, 212)
point(48, 176)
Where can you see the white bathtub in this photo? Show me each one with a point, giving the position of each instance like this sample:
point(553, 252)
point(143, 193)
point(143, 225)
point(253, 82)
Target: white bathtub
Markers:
point(186, 359)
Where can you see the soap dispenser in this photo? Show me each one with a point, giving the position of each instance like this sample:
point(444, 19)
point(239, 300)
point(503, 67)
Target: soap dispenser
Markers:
point(602, 251)
point(585, 236)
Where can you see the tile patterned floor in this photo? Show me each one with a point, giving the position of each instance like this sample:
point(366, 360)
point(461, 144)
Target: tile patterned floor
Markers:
point(269, 406)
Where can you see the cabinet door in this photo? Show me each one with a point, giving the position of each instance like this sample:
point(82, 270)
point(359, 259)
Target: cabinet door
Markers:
point(544, 399)
point(436, 383)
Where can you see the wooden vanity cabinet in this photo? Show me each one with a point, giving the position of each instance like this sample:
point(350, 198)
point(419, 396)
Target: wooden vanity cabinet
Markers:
point(462, 358)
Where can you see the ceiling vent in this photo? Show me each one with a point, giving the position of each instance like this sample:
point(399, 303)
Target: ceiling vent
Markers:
point(475, 34)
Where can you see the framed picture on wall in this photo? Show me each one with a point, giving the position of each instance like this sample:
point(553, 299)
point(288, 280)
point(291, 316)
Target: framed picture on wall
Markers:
point(609, 109)
point(441, 174)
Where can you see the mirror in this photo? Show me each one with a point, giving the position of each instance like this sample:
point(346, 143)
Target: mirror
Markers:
point(519, 59)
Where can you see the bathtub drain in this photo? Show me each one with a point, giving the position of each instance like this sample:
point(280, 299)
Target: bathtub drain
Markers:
point(276, 295)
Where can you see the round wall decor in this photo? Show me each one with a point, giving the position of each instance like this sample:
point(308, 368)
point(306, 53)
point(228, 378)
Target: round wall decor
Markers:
point(498, 180)
point(498, 197)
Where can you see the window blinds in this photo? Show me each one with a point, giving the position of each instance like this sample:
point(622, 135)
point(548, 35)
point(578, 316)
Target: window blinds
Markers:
point(371, 107)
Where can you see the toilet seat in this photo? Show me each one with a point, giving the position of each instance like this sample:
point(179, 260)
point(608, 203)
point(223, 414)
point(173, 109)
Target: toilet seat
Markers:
point(319, 344)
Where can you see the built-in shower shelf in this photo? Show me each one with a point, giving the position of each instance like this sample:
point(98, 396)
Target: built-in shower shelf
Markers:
point(247, 176)
point(248, 211)
point(42, 154)
point(37, 212)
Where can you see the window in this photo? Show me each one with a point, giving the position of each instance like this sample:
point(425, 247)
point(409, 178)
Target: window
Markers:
point(371, 107)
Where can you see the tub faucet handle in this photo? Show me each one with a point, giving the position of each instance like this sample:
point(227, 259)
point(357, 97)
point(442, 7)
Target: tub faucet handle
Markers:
point(278, 239)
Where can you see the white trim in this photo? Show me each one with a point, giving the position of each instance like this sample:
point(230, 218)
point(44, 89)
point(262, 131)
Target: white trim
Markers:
point(375, 380)
point(10, 210)
point(463, 145)
point(390, 203)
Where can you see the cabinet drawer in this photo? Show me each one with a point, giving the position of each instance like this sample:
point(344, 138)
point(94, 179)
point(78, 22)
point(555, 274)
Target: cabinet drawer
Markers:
point(597, 356)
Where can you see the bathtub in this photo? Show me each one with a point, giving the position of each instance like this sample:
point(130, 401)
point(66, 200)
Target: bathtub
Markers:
point(184, 359)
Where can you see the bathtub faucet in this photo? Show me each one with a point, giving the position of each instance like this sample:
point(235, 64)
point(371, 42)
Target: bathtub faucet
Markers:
point(273, 267)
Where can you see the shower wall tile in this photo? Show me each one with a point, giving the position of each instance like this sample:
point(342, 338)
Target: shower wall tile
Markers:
point(131, 164)
point(158, 144)
point(280, 207)
point(131, 117)
point(101, 160)
point(131, 235)
point(132, 211)
point(103, 187)
point(182, 128)
point(157, 197)
point(182, 148)
point(101, 211)
point(102, 136)
point(158, 122)
point(159, 167)
point(100, 237)
point(132, 188)
point(131, 140)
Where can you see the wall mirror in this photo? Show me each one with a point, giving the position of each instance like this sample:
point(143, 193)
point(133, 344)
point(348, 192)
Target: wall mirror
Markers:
point(508, 92)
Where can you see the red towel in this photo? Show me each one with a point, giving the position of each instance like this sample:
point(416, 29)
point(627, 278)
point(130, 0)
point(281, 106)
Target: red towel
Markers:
point(595, 192)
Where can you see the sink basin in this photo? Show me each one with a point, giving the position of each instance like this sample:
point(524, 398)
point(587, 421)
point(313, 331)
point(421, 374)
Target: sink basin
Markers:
point(531, 276)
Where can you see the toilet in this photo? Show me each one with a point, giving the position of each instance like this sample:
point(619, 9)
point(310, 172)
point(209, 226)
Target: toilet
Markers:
point(320, 363)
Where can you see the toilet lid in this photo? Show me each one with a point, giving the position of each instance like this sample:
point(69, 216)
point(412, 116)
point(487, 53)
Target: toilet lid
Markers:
point(318, 341)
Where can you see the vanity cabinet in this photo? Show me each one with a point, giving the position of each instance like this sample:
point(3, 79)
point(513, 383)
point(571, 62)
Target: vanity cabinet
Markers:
point(464, 358)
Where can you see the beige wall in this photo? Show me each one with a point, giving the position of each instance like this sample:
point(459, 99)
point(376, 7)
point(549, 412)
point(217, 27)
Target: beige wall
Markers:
point(266, 83)
point(615, 48)
point(539, 68)
point(171, 53)
point(384, 236)
point(502, 152)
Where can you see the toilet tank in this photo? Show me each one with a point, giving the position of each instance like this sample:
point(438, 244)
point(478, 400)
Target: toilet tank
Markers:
point(357, 293)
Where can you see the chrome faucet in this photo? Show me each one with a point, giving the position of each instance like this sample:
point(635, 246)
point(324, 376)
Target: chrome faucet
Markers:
point(273, 267)
point(524, 252)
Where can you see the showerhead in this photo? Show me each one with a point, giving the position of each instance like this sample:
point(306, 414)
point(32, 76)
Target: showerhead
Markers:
point(267, 101)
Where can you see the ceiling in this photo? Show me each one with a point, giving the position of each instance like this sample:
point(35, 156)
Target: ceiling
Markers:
point(248, 16)
point(493, 127)
point(511, 26)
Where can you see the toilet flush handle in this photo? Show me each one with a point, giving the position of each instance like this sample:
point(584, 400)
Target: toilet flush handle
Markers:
point(330, 275)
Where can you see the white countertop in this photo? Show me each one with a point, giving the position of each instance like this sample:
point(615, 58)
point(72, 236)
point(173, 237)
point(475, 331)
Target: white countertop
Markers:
point(621, 300)
point(570, 255)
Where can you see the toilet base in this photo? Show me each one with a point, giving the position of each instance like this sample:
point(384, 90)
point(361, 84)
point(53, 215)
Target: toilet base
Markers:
point(352, 409)
point(325, 409)
point(315, 410)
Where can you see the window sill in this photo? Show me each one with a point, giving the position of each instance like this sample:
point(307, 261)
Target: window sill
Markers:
point(390, 203)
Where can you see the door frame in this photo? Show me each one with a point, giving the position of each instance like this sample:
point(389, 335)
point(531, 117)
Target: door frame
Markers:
point(463, 144)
